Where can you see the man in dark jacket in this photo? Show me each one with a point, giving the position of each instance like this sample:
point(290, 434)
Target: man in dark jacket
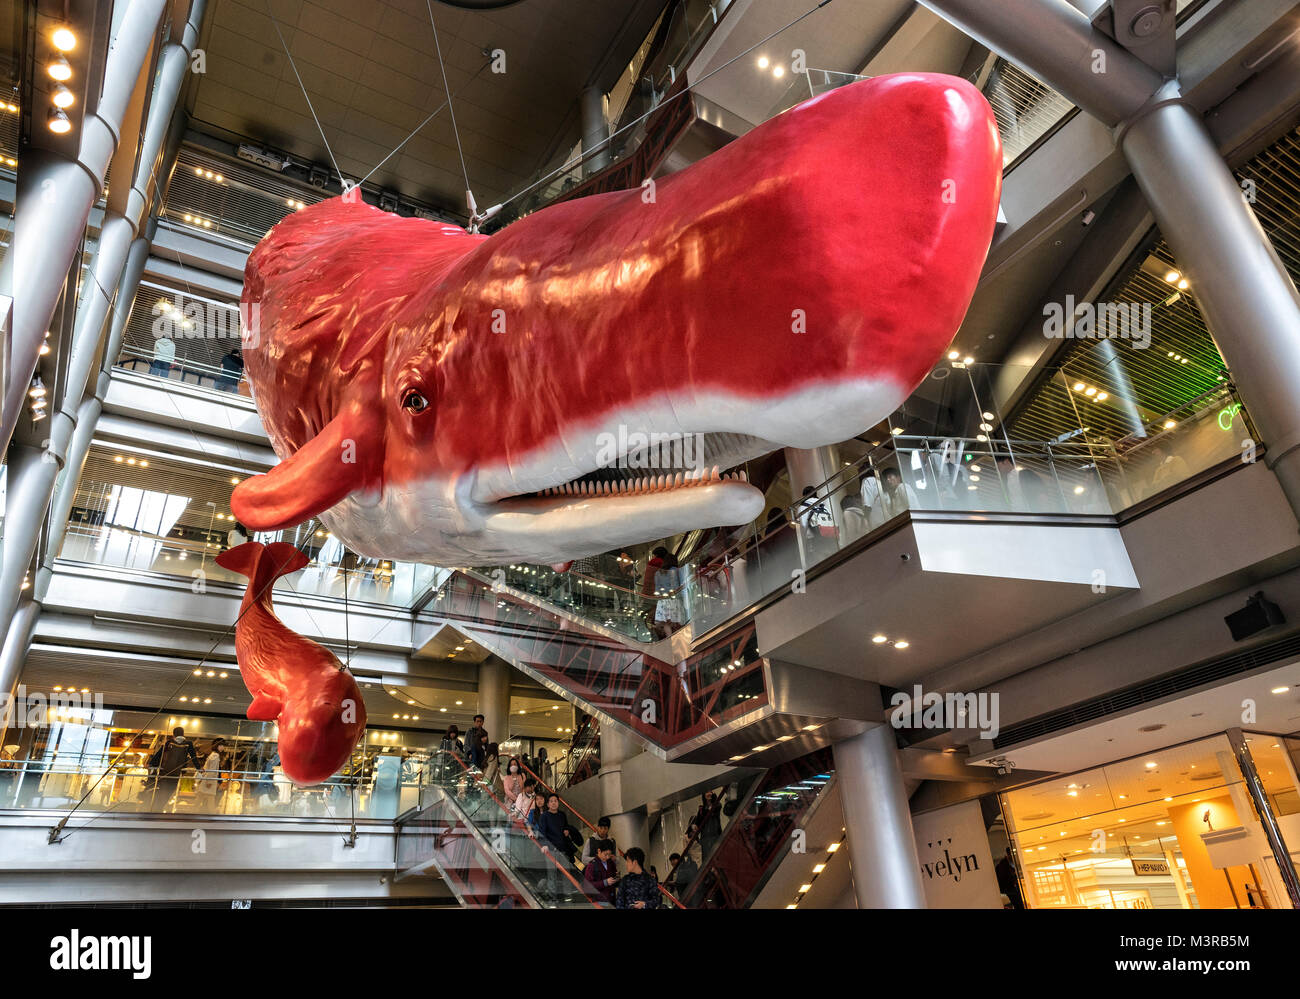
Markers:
point(172, 758)
point(475, 741)
point(601, 873)
point(637, 890)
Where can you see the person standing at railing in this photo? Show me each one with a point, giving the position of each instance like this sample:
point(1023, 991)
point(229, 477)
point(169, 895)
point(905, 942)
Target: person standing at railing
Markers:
point(170, 759)
point(855, 518)
point(895, 496)
point(816, 523)
point(8, 771)
point(164, 353)
point(232, 366)
point(237, 535)
point(210, 782)
point(663, 579)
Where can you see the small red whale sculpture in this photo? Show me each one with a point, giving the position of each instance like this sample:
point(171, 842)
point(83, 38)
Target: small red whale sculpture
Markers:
point(293, 680)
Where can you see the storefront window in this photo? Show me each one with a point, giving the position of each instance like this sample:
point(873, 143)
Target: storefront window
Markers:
point(1173, 829)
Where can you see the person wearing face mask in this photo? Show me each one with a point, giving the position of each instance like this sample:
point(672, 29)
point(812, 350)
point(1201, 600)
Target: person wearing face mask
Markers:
point(512, 781)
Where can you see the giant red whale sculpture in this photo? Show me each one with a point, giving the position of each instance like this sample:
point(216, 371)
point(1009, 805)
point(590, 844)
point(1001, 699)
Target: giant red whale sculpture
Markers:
point(445, 397)
point(293, 680)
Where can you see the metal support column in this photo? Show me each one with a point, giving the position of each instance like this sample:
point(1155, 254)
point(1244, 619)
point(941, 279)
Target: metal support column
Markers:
point(1249, 301)
point(878, 819)
point(595, 131)
point(47, 230)
point(494, 698)
point(1285, 866)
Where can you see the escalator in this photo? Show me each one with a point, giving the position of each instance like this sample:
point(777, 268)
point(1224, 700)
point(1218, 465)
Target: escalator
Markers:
point(759, 837)
point(463, 830)
point(674, 707)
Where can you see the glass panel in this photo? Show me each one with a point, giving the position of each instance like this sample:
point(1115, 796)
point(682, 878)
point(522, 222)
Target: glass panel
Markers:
point(149, 514)
point(184, 338)
point(63, 754)
point(482, 831)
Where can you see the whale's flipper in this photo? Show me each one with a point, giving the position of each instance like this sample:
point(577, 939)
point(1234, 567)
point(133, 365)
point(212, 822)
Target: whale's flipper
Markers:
point(265, 708)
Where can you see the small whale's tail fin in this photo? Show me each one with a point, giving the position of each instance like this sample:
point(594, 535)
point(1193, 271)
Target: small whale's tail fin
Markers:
point(262, 564)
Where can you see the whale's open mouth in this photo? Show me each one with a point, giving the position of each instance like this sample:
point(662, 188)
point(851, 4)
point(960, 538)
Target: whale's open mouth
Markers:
point(692, 480)
point(686, 462)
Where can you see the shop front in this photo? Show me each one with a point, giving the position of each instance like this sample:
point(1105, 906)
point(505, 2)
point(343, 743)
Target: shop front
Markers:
point(1186, 827)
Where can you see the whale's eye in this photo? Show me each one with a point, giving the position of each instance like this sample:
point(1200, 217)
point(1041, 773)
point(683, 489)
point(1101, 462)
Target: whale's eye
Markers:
point(414, 401)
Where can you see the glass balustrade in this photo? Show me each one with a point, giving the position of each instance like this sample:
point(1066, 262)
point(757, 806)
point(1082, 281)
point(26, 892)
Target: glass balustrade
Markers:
point(102, 760)
point(466, 827)
point(152, 514)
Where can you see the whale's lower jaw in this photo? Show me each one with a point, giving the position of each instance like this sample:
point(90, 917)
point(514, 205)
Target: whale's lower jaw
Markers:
point(553, 505)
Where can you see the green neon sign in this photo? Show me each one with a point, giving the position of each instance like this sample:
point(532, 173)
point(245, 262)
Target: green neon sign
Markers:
point(1227, 415)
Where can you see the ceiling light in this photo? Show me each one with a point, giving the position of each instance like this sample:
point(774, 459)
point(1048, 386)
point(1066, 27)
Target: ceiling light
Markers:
point(58, 121)
point(1170, 424)
point(895, 430)
point(778, 71)
point(832, 848)
point(879, 639)
point(63, 38)
point(38, 388)
point(63, 97)
point(1184, 284)
point(901, 644)
point(1079, 386)
point(987, 416)
point(1103, 396)
point(1172, 276)
point(764, 62)
point(1279, 690)
point(804, 888)
point(59, 70)
point(818, 868)
point(1150, 766)
point(953, 355)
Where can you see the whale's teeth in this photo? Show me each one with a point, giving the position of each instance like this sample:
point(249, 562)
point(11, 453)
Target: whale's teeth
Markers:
point(678, 480)
point(713, 475)
point(742, 476)
point(663, 481)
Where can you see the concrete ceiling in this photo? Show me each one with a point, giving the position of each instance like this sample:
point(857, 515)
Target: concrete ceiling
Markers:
point(371, 71)
point(1166, 723)
point(840, 36)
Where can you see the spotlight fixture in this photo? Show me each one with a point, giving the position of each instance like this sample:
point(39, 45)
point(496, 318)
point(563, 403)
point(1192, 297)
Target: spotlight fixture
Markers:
point(58, 121)
point(63, 97)
point(59, 70)
point(764, 62)
point(38, 388)
point(63, 38)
